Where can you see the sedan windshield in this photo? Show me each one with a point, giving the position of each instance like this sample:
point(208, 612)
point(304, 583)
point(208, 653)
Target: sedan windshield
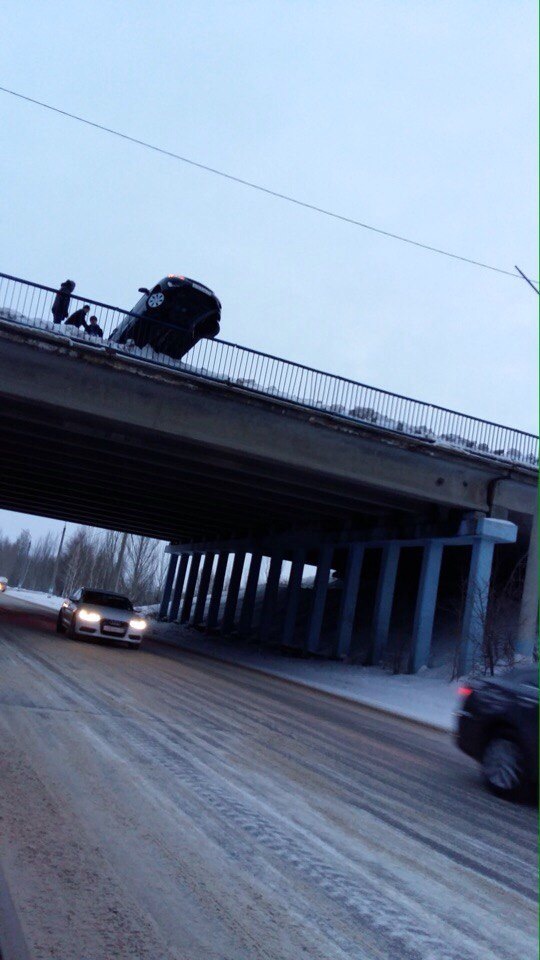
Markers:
point(107, 600)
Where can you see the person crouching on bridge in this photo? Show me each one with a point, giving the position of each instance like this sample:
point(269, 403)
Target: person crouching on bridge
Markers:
point(93, 328)
point(60, 307)
point(78, 319)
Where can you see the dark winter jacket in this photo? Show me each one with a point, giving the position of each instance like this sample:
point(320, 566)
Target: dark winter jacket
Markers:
point(94, 330)
point(77, 319)
point(60, 307)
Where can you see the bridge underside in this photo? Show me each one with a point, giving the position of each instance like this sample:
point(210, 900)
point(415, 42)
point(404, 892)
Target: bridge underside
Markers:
point(93, 438)
point(96, 439)
point(56, 463)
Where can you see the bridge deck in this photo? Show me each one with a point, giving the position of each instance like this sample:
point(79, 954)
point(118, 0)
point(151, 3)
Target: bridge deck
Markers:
point(28, 304)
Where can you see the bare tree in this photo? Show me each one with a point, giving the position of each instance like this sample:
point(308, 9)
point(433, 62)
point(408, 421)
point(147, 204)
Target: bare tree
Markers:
point(104, 565)
point(88, 557)
point(20, 558)
point(41, 563)
point(496, 612)
point(141, 569)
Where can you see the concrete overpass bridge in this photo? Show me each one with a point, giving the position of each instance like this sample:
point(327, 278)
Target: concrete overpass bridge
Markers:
point(236, 453)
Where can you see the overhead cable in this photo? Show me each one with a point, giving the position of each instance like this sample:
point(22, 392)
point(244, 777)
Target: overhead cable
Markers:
point(259, 187)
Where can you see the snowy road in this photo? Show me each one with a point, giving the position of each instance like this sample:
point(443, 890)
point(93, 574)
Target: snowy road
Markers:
point(156, 804)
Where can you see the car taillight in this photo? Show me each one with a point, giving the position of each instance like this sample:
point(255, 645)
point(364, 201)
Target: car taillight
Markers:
point(464, 691)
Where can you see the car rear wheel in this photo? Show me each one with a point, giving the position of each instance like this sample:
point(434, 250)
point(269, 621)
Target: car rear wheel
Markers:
point(156, 299)
point(503, 765)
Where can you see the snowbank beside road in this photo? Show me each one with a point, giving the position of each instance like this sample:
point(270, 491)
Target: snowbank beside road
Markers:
point(425, 697)
point(34, 596)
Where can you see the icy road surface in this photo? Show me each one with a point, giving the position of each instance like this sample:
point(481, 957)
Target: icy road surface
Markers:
point(156, 804)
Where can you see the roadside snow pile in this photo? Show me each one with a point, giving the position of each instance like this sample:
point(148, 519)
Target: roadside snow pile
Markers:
point(149, 610)
point(48, 600)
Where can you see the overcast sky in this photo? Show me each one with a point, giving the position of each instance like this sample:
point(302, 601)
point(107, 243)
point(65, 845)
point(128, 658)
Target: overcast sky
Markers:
point(418, 117)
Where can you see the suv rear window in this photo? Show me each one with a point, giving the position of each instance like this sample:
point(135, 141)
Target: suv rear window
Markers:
point(106, 600)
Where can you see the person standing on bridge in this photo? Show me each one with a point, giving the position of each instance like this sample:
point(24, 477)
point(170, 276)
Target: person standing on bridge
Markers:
point(78, 319)
point(93, 328)
point(60, 307)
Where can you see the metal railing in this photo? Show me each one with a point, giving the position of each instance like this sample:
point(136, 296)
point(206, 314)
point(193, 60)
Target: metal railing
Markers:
point(29, 305)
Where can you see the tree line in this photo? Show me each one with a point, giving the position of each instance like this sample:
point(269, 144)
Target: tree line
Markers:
point(103, 559)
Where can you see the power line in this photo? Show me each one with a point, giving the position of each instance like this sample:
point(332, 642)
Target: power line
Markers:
point(257, 186)
point(531, 284)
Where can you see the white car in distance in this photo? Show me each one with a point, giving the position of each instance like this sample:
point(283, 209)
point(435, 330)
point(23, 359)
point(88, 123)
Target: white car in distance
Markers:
point(101, 615)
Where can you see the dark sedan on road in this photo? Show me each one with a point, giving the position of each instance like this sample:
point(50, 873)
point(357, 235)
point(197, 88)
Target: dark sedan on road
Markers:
point(100, 615)
point(497, 724)
point(171, 317)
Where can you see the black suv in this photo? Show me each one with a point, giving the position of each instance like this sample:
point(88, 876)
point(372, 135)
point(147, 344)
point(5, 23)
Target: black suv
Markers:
point(497, 724)
point(171, 317)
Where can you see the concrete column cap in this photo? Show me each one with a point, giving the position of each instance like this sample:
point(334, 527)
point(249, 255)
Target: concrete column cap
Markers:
point(500, 531)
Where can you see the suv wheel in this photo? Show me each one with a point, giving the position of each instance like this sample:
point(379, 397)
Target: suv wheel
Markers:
point(156, 299)
point(503, 766)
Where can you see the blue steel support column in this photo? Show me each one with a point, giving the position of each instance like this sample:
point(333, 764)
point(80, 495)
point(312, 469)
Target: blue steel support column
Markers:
point(270, 597)
point(190, 589)
point(425, 606)
point(476, 600)
point(383, 602)
point(169, 580)
point(217, 590)
point(202, 592)
point(248, 601)
point(349, 597)
point(294, 588)
point(179, 586)
point(527, 631)
point(232, 592)
point(320, 589)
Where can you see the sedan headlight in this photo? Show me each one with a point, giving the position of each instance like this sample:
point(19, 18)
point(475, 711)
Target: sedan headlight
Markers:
point(89, 616)
point(138, 624)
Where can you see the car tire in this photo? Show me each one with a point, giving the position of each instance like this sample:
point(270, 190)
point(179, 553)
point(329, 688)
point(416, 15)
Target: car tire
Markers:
point(504, 767)
point(156, 300)
point(60, 628)
point(71, 629)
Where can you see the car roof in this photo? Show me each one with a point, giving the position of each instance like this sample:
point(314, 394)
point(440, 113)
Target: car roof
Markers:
point(104, 593)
